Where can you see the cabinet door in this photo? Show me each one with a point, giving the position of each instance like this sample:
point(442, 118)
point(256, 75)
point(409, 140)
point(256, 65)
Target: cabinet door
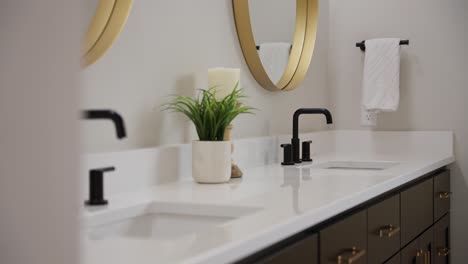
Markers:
point(304, 251)
point(426, 243)
point(383, 229)
point(420, 250)
point(416, 210)
point(441, 194)
point(441, 241)
point(345, 241)
point(412, 254)
point(394, 260)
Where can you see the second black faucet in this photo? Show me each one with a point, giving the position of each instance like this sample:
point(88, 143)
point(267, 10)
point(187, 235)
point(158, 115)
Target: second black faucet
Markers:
point(295, 141)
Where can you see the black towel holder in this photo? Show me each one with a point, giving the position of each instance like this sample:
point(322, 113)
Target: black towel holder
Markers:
point(362, 44)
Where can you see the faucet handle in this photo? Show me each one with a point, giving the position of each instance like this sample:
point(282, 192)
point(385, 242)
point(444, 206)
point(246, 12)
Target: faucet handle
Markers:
point(96, 186)
point(102, 170)
point(306, 151)
point(287, 154)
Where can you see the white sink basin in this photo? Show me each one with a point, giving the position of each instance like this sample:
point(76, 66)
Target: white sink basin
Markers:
point(354, 165)
point(159, 220)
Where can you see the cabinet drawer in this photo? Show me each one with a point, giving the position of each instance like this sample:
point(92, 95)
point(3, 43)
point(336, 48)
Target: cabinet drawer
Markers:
point(411, 254)
point(441, 194)
point(394, 260)
point(345, 240)
point(416, 210)
point(304, 251)
point(420, 250)
point(442, 240)
point(383, 230)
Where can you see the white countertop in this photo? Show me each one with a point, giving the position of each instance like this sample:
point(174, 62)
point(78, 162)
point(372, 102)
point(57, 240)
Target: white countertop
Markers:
point(290, 199)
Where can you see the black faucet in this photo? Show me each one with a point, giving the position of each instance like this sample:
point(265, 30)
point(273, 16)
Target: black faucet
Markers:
point(96, 181)
point(96, 187)
point(107, 114)
point(295, 141)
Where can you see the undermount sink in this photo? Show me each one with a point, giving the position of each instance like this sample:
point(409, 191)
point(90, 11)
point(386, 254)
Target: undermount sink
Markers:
point(160, 220)
point(354, 165)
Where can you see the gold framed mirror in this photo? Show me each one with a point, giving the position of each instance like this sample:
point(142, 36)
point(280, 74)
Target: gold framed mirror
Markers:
point(300, 49)
point(108, 19)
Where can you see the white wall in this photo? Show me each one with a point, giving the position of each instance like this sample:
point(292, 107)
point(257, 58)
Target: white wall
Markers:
point(433, 77)
point(39, 132)
point(166, 48)
point(279, 15)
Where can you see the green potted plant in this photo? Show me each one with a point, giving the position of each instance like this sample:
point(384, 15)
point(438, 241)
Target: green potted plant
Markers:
point(211, 154)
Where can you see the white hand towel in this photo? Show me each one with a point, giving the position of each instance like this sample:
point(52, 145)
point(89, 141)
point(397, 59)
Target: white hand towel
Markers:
point(381, 78)
point(274, 57)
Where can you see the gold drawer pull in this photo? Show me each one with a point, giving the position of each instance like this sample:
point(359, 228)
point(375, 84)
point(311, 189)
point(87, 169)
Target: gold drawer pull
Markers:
point(388, 231)
point(350, 255)
point(444, 195)
point(421, 254)
point(427, 257)
point(443, 252)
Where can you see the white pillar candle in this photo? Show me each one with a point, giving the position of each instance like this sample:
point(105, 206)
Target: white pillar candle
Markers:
point(224, 79)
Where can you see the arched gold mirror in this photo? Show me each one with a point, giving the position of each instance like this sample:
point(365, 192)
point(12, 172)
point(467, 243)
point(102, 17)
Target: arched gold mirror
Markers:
point(277, 38)
point(107, 18)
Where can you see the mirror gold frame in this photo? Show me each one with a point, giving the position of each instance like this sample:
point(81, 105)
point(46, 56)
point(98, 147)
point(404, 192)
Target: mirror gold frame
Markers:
point(108, 21)
point(302, 46)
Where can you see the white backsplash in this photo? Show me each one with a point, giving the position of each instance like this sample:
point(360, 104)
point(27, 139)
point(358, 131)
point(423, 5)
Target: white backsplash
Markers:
point(142, 168)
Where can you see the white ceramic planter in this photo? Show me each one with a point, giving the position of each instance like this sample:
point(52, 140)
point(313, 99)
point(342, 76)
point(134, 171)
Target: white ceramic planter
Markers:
point(211, 161)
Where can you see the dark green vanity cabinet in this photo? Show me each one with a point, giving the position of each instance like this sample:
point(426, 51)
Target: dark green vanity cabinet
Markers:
point(396, 259)
point(442, 240)
point(420, 250)
point(441, 194)
point(383, 229)
point(345, 241)
point(431, 247)
point(407, 225)
point(303, 251)
point(416, 210)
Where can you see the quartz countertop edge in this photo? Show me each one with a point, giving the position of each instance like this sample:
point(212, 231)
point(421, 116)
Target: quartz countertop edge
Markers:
point(247, 243)
point(236, 251)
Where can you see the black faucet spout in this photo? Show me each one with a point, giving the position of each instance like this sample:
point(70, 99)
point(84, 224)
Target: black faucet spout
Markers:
point(295, 134)
point(115, 117)
point(301, 111)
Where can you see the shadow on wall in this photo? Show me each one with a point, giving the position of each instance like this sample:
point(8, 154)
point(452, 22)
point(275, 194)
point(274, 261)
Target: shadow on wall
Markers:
point(158, 118)
point(403, 122)
point(175, 161)
point(459, 216)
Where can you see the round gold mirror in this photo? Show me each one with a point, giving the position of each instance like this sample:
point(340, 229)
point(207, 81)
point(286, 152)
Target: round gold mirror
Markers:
point(107, 18)
point(277, 38)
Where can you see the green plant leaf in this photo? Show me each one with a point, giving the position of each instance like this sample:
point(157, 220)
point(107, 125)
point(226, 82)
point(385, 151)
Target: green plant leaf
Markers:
point(210, 116)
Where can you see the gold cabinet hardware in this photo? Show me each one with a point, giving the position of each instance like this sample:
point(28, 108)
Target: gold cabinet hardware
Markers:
point(443, 252)
point(427, 257)
point(444, 195)
point(350, 255)
point(388, 231)
point(420, 255)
